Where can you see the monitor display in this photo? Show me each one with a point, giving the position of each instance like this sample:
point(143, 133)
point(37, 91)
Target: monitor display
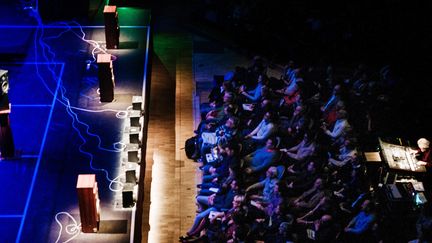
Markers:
point(400, 157)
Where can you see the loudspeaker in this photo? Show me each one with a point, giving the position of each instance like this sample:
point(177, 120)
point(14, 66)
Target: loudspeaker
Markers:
point(135, 118)
point(88, 199)
point(131, 176)
point(112, 29)
point(127, 196)
point(134, 138)
point(106, 77)
point(4, 82)
point(137, 102)
point(133, 156)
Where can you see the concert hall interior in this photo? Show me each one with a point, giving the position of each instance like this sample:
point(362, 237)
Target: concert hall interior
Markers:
point(215, 121)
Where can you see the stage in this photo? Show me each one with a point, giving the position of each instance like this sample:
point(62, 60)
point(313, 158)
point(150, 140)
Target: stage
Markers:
point(61, 129)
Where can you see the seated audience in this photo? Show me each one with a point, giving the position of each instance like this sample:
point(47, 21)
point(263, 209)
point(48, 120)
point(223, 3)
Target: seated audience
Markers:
point(340, 127)
point(310, 198)
point(303, 150)
point(302, 194)
point(261, 133)
point(359, 227)
point(261, 159)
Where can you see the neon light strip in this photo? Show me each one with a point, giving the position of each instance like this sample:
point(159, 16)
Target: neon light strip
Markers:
point(39, 158)
point(132, 227)
point(32, 63)
point(31, 105)
point(132, 231)
point(29, 156)
point(70, 27)
point(146, 62)
point(10, 216)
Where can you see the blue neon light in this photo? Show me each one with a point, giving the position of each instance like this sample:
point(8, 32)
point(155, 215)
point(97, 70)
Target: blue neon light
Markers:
point(29, 156)
point(31, 63)
point(10, 216)
point(72, 27)
point(45, 49)
point(30, 105)
point(146, 60)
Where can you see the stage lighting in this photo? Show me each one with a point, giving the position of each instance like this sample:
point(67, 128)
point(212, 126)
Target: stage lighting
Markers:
point(4, 82)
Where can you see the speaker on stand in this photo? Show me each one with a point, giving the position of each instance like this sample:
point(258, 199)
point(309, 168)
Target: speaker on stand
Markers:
point(7, 147)
point(4, 82)
point(112, 29)
point(106, 77)
point(127, 196)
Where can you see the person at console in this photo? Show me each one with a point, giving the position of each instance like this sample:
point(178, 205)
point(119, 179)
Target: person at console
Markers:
point(423, 154)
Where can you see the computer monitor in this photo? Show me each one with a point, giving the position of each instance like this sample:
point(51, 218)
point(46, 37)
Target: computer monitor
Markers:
point(420, 199)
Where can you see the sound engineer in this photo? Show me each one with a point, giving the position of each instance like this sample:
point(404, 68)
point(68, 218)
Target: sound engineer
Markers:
point(423, 154)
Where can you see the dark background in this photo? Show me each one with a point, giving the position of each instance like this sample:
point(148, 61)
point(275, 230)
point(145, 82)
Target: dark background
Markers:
point(344, 34)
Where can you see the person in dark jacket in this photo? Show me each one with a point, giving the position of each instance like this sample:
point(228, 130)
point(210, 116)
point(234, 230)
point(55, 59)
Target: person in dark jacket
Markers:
point(216, 202)
point(7, 148)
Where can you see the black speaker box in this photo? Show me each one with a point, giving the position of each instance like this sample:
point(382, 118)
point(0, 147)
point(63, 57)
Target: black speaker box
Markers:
point(131, 176)
point(134, 118)
point(133, 156)
point(106, 77)
point(112, 29)
point(127, 196)
point(134, 138)
point(137, 102)
point(4, 82)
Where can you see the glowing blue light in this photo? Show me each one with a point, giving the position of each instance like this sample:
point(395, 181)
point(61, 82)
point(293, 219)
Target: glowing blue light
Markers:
point(48, 55)
point(10, 215)
point(72, 27)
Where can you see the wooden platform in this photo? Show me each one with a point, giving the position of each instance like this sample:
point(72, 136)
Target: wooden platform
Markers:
point(170, 177)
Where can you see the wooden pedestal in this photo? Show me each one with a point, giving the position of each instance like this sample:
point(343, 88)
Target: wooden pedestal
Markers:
point(88, 199)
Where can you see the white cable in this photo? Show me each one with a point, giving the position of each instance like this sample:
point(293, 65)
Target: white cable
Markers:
point(65, 101)
point(116, 181)
point(96, 47)
point(121, 144)
point(121, 114)
point(71, 229)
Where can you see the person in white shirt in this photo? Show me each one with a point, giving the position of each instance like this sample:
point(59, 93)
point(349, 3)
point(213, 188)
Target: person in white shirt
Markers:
point(266, 127)
point(302, 150)
point(347, 153)
point(341, 125)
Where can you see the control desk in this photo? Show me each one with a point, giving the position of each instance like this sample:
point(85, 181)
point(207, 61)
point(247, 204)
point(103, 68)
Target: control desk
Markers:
point(400, 157)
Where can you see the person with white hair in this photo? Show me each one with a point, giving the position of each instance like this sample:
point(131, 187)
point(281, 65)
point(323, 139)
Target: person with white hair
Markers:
point(424, 157)
point(423, 154)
